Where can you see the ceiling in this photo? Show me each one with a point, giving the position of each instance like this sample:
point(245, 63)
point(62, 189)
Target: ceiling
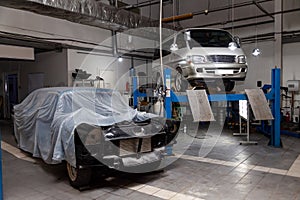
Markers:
point(227, 14)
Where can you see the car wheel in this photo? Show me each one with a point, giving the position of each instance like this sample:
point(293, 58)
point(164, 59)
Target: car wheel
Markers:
point(181, 83)
point(229, 85)
point(173, 126)
point(79, 177)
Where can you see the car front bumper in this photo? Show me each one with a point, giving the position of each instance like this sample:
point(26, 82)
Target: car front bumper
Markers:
point(215, 71)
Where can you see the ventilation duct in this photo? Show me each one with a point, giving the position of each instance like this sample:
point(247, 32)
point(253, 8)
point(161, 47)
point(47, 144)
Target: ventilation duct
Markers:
point(88, 12)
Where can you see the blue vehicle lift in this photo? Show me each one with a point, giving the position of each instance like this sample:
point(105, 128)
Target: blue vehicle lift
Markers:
point(273, 96)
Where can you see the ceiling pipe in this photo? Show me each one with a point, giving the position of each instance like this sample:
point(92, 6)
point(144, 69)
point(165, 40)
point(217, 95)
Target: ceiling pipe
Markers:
point(251, 24)
point(88, 12)
point(178, 18)
point(288, 37)
point(144, 4)
point(207, 11)
point(237, 5)
point(249, 18)
point(262, 9)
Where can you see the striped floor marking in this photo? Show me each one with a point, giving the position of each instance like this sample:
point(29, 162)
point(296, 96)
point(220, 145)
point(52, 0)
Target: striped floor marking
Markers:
point(160, 193)
point(16, 152)
point(295, 168)
point(293, 171)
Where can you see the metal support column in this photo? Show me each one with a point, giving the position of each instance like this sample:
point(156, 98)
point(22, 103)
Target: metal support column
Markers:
point(135, 91)
point(275, 128)
point(168, 99)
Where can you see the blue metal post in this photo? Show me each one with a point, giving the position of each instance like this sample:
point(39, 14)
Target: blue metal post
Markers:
point(275, 129)
point(135, 91)
point(168, 99)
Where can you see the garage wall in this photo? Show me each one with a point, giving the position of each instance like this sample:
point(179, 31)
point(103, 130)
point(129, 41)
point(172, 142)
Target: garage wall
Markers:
point(95, 64)
point(115, 73)
point(259, 68)
point(52, 64)
point(103, 65)
point(290, 20)
point(291, 63)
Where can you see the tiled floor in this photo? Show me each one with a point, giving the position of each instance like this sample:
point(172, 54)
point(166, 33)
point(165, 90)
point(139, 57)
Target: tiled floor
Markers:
point(228, 171)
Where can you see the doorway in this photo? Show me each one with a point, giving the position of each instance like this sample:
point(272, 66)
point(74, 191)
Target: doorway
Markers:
point(11, 91)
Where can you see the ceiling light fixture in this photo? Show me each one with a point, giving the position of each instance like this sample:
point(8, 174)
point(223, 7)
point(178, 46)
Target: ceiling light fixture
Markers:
point(120, 59)
point(256, 52)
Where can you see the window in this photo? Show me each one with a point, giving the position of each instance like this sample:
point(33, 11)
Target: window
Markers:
point(210, 38)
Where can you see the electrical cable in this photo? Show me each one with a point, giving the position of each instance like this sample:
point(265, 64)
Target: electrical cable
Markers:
point(150, 11)
point(232, 17)
point(228, 13)
point(208, 6)
point(173, 10)
point(178, 11)
point(256, 32)
point(160, 42)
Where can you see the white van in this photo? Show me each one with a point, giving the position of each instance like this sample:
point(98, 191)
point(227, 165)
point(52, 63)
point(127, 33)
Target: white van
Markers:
point(201, 55)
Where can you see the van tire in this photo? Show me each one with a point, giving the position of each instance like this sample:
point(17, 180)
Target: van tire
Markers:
point(229, 85)
point(181, 84)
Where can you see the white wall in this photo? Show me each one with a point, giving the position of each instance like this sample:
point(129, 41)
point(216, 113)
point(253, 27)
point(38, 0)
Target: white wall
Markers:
point(52, 64)
point(105, 66)
point(114, 73)
point(291, 62)
point(259, 68)
point(291, 20)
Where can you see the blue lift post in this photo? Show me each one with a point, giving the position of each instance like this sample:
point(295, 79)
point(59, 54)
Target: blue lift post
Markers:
point(275, 128)
point(273, 96)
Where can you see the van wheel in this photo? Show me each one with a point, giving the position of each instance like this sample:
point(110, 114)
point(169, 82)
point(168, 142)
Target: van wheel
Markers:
point(79, 177)
point(181, 84)
point(229, 85)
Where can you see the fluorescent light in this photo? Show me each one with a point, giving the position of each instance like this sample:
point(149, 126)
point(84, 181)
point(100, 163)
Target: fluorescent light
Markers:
point(16, 52)
point(120, 59)
point(256, 52)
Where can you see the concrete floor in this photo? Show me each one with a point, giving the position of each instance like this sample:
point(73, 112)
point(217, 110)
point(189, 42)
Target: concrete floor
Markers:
point(228, 171)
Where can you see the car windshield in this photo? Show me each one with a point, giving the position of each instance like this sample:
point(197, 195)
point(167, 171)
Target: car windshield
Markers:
point(210, 38)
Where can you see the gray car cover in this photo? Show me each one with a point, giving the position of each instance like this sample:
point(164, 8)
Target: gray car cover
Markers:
point(45, 121)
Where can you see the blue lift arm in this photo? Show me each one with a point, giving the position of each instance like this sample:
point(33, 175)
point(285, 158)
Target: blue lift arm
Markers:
point(273, 96)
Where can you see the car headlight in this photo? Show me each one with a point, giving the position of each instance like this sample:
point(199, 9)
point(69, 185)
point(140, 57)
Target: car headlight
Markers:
point(196, 59)
point(241, 59)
